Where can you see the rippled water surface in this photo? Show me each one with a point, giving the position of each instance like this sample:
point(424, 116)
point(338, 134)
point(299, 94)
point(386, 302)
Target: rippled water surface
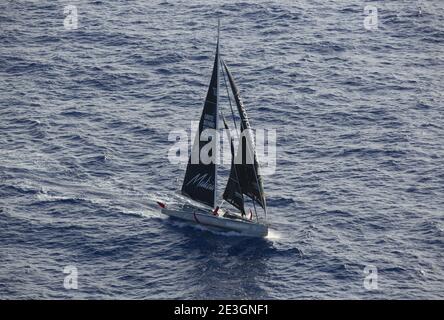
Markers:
point(84, 122)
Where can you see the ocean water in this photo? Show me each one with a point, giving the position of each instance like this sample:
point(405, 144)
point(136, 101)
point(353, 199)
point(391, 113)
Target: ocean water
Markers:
point(84, 121)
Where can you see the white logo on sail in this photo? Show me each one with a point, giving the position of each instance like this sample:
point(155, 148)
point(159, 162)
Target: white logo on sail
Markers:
point(202, 181)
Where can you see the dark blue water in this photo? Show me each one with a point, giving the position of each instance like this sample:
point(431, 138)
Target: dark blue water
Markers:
point(84, 122)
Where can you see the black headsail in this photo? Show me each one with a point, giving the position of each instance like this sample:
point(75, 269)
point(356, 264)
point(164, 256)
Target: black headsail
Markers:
point(233, 193)
point(200, 178)
point(247, 167)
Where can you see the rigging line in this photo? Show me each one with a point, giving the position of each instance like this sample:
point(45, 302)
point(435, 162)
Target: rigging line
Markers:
point(254, 206)
point(229, 98)
point(217, 106)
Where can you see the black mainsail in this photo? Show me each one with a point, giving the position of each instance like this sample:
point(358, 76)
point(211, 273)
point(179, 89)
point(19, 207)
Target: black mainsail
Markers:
point(246, 165)
point(200, 178)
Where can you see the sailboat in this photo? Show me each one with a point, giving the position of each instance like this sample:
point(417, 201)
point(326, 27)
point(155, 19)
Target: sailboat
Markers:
point(244, 183)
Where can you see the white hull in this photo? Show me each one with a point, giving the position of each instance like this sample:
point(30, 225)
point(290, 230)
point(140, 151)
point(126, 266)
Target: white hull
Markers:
point(199, 216)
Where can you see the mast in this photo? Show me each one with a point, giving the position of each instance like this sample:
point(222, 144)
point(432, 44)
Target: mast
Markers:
point(217, 110)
